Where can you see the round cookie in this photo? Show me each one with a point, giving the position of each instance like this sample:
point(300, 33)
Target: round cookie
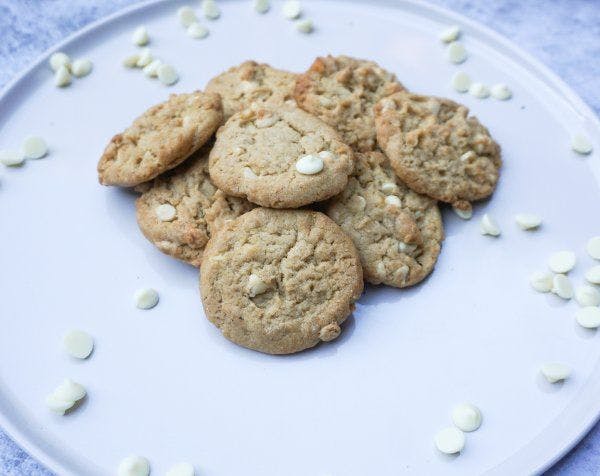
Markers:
point(249, 83)
point(280, 281)
point(342, 92)
point(200, 209)
point(279, 158)
point(436, 149)
point(160, 139)
point(398, 232)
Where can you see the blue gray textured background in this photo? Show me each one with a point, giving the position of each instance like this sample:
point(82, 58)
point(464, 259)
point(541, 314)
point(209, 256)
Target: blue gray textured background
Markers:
point(564, 34)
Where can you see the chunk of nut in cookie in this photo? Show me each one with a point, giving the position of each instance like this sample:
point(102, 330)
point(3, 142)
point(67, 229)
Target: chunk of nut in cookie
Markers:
point(265, 120)
point(309, 164)
point(256, 285)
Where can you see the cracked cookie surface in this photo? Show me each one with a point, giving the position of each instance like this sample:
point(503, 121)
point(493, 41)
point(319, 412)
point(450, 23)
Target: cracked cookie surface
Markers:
point(437, 149)
point(342, 92)
point(160, 139)
point(200, 209)
point(280, 281)
point(249, 83)
point(256, 153)
point(398, 232)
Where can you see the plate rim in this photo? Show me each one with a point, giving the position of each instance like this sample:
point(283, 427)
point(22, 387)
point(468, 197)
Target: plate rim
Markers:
point(518, 55)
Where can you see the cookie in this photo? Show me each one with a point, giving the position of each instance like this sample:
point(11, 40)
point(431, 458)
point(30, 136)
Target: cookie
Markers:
point(398, 232)
point(279, 157)
point(342, 92)
point(194, 209)
point(160, 139)
point(249, 83)
point(280, 281)
point(437, 149)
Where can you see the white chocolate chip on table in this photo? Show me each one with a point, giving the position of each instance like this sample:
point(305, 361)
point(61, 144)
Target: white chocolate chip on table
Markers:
point(131, 61)
point(197, 31)
point(140, 36)
point(488, 226)
point(450, 33)
point(541, 281)
point(292, 9)
point(466, 417)
point(562, 261)
point(479, 90)
point(145, 298)
point(581, 144)
point(555, 372)
point(186, 16)
point(81, 67)
point(210, 9)
point(78, 344)
point(144, 58)
point(461, 82)
point(562, 287)
point(167, 74)
point(588, 317)
point(528, 221)
point(592, 275)
point(450, 440)
point(501, 92)
point(587, 295)
point(181, 469)
point(456, 52)
point(134, 466)
point(305, 26)
point(151, 70)
point(62, 77)
point(593, 247)
point(59, 59)
point(261, 6)
point(65, 396)
point(11, 158)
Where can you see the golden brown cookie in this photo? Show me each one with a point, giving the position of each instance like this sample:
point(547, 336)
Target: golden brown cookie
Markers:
point(160, 139)
point(263, 154)
point(398, 232)
point(436, 149)
point(280, 281)
point(180, 210)
point(249, 83)
point(342, 92)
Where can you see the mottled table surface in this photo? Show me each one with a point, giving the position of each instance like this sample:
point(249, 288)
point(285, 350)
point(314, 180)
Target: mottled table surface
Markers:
point(563, 34)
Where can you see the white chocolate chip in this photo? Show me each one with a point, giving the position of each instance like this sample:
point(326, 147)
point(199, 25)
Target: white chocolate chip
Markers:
point(291, 9)
point(249, 173)
point(587, 295)
point(145, 298)
point(78, 344)
point(57, 405)
point(305, 26)
point(593, 274)
point(555, 372)
point(131, 61)
point(309, 164)
point(256, 285)
point(326, 155)
point(134, 466)
point(464, 214)
point(261, 6)
point(266, 121)
point(144, 58)
point(356, 203)
point(34, 147)
point(450, 440)
point(81, 67)
point(450, 34)
point(468, 156)
point(488, 226)
point(479, 90)
point(62, 77)
point(456, 52)
point(388, 187)
point(167, 74)
point(210, 9)
point(581, 144)
point(166, 212)
point(528, 221)
point(593, 247)
point(59, 59)
point(65, 396)
point(588, 317)
point(151, 70)
point(393, 200)
point(140, 36)
point(562, 287)
point(501, 91)
point(406, 248)
point(541, 281)
point(11, 158)
point(466, 417)
point(197, 31)
point(181, 469)
point(461, 82)
point(186, 16)
point(562, 261)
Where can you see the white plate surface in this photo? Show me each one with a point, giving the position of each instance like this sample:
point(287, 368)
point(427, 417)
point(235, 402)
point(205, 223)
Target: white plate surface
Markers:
point(165, 384)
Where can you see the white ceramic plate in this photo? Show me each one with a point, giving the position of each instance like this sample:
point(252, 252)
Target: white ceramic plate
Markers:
point(164, 383)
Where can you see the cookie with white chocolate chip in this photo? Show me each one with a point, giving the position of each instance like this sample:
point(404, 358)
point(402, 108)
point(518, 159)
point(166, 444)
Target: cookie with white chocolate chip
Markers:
point(280, 281)
point(180, 210)
point(160, 139)
point(398, 232)
point(279, 157)
point(437, 149)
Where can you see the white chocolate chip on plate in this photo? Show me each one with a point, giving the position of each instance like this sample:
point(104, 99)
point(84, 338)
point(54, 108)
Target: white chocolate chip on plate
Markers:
point(456, 52)
point(151, 70)
point(78, 344)
point(588, 317)
point(11, 158)
point(131, 61)
point(501, 91)
point(562, 261)
point(587, 295)
point(62, 77)
point(541, 281)
point(291, 9)
point(181, 469)
point(59, 59)
point(65, 396)
point(555, 372)
point(81, 67)
point(34, 147)
point(461, 82)
point(464, 213)
point(309, 164)
point(581, 144)
point(197, 31)
point(450, 34)
point(593, 247)
point(592, 275)
point(210, 9)
point(261, 6)
point(144, 58)
point(466, 417)
point(450, 440)
point(140, 36)
point(528, 221)
point(134, 466)
point(488, 226)
point(145, 298)
point(166, 212)
point(305, 26)
point(186, 16)
point(167, 74)
point(562, 287)
point(479, 90)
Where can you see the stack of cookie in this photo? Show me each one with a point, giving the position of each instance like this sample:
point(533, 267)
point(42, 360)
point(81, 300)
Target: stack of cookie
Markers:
point(311, 182)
